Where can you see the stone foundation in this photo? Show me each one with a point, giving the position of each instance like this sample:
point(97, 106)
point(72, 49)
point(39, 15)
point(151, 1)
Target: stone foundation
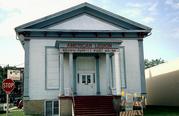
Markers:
point(116, 103)
point(34, 107)
point(65, 106)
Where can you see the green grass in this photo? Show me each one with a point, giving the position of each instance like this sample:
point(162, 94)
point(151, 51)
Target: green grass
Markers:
point(13, 113)
point(161, 111)
point(149, 111)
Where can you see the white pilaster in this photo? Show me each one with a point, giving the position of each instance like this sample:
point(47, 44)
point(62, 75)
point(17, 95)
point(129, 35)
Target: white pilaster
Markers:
point(71, 70)
point(61, 73)
point(107, 73)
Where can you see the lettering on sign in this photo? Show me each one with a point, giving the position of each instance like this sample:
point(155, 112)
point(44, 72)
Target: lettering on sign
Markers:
point(72, 45)
point(89, 47)
point(7, 85)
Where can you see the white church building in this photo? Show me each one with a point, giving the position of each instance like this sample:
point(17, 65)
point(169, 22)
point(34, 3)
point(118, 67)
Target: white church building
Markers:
point(80, 59)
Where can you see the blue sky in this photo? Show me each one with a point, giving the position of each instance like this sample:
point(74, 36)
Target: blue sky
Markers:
point(161, 15)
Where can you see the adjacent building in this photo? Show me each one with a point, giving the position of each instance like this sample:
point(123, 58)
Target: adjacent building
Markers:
point(82, 51)
point(162, 83)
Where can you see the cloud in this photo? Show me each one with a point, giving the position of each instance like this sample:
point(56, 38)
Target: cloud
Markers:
point(175, 19)
point(153, 8)
point(175, 33)
point(148, 20)
point(4, 14)
point(135, 5)
point(173, 3)
point(143, 12)
point(17, 12)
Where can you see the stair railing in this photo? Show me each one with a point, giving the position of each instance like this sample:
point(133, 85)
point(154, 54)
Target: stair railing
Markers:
point(73, 98)
point(73, 103)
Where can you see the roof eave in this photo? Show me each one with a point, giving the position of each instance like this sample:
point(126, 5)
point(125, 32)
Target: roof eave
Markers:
point(63, 30)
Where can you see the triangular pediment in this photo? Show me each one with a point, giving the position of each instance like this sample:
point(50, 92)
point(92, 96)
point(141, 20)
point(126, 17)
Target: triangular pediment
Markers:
point(83, 17)
point(84, 22)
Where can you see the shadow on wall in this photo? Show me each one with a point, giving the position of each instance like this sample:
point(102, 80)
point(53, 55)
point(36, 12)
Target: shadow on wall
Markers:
point(163, 89)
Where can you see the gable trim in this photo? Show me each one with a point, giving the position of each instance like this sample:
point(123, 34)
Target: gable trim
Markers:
point(84, 8)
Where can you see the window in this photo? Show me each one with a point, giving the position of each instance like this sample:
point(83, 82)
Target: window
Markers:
point(84, 79)
point(48, 108)
point(88, 79)
point(52, 108)
point(55, 107)
point(78, 78)
point(93, 77)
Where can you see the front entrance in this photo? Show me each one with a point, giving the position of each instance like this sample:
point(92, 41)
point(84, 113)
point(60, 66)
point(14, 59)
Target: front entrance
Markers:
point(86, 79)
point(86, 84)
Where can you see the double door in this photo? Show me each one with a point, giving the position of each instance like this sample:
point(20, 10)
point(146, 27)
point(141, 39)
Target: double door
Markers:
point(86, 84)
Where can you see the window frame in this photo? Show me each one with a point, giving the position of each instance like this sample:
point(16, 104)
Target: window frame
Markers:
point(52, 106)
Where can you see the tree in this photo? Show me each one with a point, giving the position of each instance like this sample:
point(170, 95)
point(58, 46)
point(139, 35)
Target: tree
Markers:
point(153, 62)
point(3, 75)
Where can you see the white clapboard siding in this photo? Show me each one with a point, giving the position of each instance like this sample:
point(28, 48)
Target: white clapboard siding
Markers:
point(52, 66)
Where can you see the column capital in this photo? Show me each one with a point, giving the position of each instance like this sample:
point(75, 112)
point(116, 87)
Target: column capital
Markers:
point(116, 53)
point(60, 52)
point(107, 52)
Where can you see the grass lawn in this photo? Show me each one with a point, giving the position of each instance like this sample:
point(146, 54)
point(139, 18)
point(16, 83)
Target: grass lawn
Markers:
point(16, 112)
point(13, 113)
point(149, 111)
point(161, 111)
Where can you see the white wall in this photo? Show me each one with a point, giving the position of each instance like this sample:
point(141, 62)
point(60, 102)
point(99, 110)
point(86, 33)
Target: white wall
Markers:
point(37, 70)
point(102, 74)
point(132, 66)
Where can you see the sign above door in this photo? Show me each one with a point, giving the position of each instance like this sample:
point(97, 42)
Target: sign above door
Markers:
point(88, 47)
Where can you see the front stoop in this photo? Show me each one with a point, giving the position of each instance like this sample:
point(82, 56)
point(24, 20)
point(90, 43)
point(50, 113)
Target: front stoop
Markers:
point(94, 106)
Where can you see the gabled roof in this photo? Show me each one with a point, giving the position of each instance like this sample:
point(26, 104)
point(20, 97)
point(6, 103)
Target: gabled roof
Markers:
point(40, 24)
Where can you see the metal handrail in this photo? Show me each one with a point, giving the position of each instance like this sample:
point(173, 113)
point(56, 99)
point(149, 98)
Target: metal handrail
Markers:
point(73, 98)
point(73, 102)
